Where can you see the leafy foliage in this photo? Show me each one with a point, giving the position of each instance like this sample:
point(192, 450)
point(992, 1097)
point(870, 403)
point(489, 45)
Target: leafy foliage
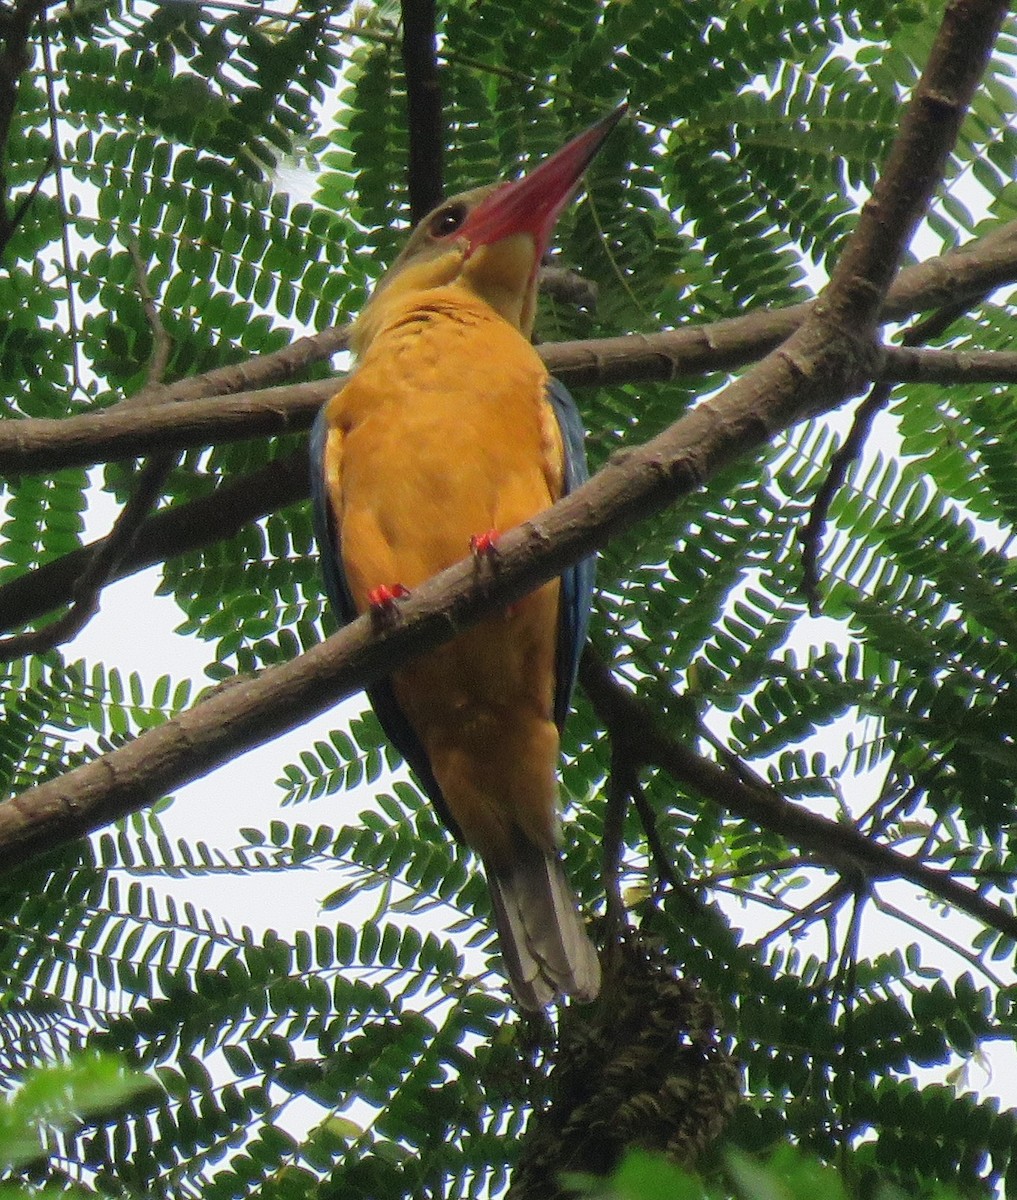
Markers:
point(788, 1173)
point(51, 1097)
point(246, 167)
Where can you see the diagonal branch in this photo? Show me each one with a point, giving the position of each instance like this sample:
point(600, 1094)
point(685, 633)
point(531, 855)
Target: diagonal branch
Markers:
point(162, 345)
point(841, 846)
point(261, 372)
point(176, 530)
point(935, 325)
point(102, 565)
point(813, 371)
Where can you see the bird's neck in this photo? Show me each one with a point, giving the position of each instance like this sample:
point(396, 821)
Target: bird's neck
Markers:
point(403, 313)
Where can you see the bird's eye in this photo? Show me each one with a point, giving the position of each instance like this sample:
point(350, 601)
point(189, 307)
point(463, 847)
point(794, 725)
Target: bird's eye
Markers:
point(445, 222)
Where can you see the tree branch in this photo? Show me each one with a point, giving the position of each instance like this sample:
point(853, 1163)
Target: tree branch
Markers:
point(200, 417)
point(104, 562)
point(423, 107)
point(840, 845)
point(813, 371)
point(253, 374)
point(962, 366)
point(162, 345)
point(617, 793)
point(906, 364)
point(184, 527)
point(41, 445)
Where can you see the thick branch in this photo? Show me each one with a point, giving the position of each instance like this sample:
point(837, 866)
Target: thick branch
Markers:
point(836, 340)
point(39, 445)
point(813, 371)
point(918, 155)
point(906, 364)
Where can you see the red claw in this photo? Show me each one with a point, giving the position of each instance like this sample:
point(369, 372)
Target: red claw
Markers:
point(382, 600)
point(485, 545)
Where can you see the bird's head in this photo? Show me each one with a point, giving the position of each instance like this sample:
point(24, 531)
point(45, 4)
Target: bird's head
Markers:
point(490, 240)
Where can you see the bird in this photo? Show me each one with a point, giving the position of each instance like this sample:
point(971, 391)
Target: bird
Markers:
point(448, 432)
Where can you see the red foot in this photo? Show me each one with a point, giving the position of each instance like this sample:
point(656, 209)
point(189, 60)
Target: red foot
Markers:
point(485, 545)
point(382, 600)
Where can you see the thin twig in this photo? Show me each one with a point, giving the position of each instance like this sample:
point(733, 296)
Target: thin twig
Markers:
point(781, 866)
point(845, 990)
point(764, 899)
point(614, 822)
point(874, 819)
point(818, 909)
point(969, 956)
point(162, 344)
point(811, 534)
point(177, 530)
point(108, 555)
point(30, 195)
point(102, 566)
point(658, 851)
point(15, 58)
point(56, 158)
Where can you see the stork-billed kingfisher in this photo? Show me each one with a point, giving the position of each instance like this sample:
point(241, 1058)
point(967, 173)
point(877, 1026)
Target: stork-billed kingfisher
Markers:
point(449, 432)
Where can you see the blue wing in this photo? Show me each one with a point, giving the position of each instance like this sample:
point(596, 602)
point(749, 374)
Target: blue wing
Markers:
point(326, 531)
point(577, 582)
point(390, 715)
